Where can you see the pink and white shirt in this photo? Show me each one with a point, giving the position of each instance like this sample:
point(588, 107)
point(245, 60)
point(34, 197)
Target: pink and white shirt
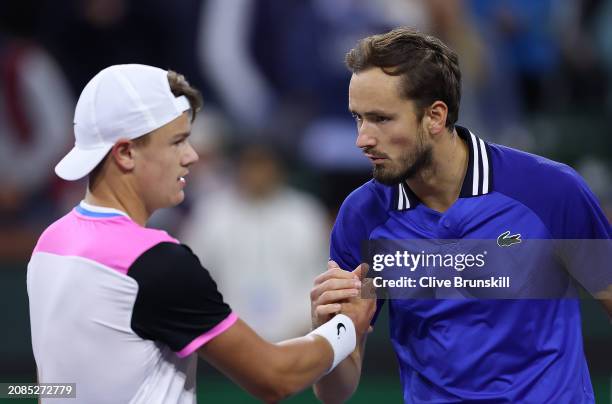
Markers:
point(119, 309)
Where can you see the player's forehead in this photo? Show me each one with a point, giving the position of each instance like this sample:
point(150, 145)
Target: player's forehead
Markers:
point(373, 90)
point(175, 128)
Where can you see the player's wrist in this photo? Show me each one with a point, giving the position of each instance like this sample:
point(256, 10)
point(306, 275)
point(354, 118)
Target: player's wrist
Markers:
point(341, 335)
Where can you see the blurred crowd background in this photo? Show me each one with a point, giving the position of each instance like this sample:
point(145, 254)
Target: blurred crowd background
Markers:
point(275, 139)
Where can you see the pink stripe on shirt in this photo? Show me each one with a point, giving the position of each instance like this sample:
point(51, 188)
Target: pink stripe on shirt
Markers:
point(208, 335)
point(115, 242)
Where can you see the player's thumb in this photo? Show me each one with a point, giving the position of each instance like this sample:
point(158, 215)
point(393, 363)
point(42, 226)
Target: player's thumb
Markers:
point(331, 264)
point(361, 271)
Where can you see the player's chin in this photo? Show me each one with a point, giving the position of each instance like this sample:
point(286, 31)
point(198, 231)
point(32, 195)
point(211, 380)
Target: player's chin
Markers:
point(386, 176)
point(176, 198)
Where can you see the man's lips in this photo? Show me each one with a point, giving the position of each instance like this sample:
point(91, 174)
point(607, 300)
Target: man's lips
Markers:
point(375, 158)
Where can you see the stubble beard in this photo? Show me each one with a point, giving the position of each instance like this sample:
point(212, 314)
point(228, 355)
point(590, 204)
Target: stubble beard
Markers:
point(410, 164)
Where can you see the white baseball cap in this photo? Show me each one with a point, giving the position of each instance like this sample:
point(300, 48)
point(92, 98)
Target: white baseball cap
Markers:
point(121, 101)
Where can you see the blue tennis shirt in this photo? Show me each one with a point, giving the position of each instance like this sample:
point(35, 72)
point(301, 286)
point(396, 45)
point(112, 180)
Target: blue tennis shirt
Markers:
point(493, 351)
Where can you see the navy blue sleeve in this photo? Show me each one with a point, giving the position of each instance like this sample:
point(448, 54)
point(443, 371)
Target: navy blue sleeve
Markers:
point(360, 213)
point(562, 200)
point(346, 238)
point(581, 216)
point(554, 191)
point(583, 236)
point(177, 299)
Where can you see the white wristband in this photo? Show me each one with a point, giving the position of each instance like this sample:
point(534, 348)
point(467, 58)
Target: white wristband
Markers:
point(340, 333)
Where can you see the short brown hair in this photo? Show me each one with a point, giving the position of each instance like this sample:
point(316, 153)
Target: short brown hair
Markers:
point(180, 86)
point(429, 69)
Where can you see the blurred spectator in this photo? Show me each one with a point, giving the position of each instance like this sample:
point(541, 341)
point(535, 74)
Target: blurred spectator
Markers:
point(521, 32)
point(225, 29)
point(35, 130)
point(490, 104)
point(263, 242)
point(278, 69)
point(584, 78)
point(277, 66)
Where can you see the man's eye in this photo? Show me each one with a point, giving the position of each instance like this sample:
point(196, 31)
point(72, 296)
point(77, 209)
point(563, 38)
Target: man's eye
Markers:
point(356, 117)
point(381, 119)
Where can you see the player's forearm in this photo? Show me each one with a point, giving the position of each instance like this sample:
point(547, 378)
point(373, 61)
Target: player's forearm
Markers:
point(302, 361)
point(341, 383)
point(272, 372)
point(299, 362)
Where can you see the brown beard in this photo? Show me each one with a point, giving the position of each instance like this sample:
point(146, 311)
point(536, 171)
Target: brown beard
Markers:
point(410, 165)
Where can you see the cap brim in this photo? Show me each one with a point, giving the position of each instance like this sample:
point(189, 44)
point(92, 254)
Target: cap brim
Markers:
point(79, 162)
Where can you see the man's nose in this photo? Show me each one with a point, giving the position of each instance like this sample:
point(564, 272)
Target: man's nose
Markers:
point(365, 136)
point(191, 155)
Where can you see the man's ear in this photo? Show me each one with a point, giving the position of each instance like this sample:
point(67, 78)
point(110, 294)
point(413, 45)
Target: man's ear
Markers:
point(435, 116)
point(122, 154)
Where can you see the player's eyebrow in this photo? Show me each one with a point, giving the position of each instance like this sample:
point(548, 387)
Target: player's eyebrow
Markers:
point(180, 136)
point(372, 113)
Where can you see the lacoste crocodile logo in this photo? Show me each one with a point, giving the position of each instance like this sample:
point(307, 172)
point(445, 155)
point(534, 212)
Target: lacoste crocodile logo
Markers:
point(506, 240)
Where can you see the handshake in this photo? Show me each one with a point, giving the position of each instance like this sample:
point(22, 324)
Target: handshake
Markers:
point(337, 291)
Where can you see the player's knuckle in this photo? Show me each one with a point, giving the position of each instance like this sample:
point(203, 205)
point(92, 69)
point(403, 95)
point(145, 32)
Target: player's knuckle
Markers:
point(329, 285)
point(340, 294)
point(339, 283)
point(326, 296)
